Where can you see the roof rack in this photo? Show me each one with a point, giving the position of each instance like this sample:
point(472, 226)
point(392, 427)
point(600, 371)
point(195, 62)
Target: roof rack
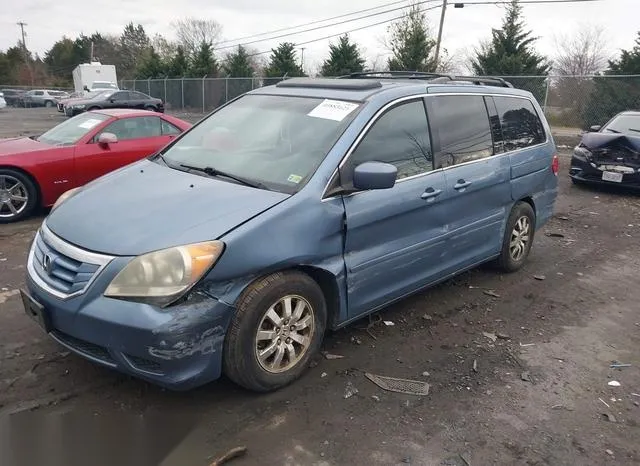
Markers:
point(433, 77)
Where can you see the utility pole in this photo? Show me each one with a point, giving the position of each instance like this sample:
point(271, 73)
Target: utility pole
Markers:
point(302, 58)
point(22, 24)
point(444, 9)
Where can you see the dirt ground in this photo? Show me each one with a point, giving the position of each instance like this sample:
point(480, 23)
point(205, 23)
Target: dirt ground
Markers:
point(518, 376)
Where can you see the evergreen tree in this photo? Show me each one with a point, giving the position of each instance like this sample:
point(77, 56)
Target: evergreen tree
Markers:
point(283, 62)
point(614, 95)
point(411, 42)
point(344, 58)
point(151, 66)
point(204, 62)
point(238, 64)
point(179, 64)
point(134, 46)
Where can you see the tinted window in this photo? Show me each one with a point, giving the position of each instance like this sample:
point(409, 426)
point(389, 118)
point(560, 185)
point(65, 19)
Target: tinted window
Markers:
point(521, 126)
point(461, 125)
point(120, 96)
point(139, 96)
point(399, 137)
point(168, 128)
point(135, 128)
point(38, 93)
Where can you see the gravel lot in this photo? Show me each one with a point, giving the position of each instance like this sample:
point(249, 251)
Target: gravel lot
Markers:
point(539, 395)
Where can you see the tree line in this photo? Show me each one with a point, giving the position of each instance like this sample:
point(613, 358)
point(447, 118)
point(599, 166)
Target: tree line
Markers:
point(198, 52)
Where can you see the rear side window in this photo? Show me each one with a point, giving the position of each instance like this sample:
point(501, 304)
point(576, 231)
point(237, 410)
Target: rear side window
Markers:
point(521, 126)
point(399, 137)
point(461, 125)
point(169, 129)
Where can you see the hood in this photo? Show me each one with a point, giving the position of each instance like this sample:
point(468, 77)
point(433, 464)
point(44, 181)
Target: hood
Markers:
point(594, 141)
point(146, 206)
point(14, 146)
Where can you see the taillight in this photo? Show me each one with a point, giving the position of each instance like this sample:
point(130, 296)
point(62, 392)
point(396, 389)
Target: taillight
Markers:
point(555, 164)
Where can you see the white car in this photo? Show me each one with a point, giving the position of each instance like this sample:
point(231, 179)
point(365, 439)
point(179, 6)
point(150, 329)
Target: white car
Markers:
point(3, 103)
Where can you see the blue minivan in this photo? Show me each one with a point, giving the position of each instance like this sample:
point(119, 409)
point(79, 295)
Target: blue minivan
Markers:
point(293, 209)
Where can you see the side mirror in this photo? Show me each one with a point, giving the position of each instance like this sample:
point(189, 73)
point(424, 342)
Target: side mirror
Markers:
point(107, 138)
point(86, 88)
point(374, 175)
point(595, 128)
point(112, 100)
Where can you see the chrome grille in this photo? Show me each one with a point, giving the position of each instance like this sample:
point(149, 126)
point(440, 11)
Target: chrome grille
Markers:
point(61, 268)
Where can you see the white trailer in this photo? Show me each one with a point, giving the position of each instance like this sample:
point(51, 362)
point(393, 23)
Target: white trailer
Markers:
point(94, 76)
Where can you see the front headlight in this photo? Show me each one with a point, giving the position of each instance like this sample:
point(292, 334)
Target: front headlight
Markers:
point(162, 277)
point(582, 152)
point(65, 196)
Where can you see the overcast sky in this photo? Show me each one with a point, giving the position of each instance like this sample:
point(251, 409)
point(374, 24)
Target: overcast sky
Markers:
point(464, 28)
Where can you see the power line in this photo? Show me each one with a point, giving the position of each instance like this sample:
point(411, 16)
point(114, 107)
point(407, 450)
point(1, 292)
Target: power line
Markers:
point(349, 31)
point(503, 2)
point(274, 31)
point(325, 26)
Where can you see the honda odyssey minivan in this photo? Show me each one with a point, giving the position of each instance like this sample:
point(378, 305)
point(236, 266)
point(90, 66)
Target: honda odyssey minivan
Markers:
point(293, 209)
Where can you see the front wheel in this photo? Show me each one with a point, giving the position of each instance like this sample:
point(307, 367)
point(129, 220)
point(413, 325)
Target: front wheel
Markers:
point(48, 104)
point(278, 326)
point(518, 238)
point(18, 195)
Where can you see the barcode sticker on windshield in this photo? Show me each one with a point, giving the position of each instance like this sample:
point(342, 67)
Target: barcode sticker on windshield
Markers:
point(89, 123)
point(335, 110)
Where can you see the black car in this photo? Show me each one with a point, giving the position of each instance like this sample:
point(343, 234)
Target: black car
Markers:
point(12, 96)
point(610, 154)
point(114, 99)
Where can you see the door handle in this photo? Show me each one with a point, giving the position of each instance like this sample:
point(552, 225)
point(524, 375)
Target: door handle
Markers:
point(430, 193)
point(461, 184)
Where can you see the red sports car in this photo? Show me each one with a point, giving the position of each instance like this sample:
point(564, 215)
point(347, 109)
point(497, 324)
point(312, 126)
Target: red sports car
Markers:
point(36, 171)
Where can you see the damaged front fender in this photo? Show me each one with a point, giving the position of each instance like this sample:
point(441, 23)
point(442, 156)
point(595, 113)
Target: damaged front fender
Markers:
point(611, 151)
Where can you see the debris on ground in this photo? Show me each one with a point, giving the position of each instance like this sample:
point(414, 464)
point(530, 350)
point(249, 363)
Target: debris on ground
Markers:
point(350, 390)
point(609, 452)
point(563, 217)
point(604, 403)
point(331, 356)
point(475, 365)
point(503, 336)
point(491, 293)
point(524, 345)
point(609, 417)
point(614, 383)
point(540, 277)
point(389, 323)
point(618, 366)
point(375, 398)
point(228, 456)
point(491, 336)
point(425, 374)
point(555, 235)
point(356, 340)
point(393, 384)
point(526, 376)
point(427, 317)
point(323, 375)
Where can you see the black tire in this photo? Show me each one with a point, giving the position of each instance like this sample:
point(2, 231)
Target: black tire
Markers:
point(151, 108)
point(240, 359)
point(508, 261)
point(32, 196)
point(48, 104)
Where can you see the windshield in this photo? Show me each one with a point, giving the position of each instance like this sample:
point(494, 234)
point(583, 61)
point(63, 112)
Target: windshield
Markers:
point(103, 85)
point(628, 123)
point(276, 141)
point(72, 130)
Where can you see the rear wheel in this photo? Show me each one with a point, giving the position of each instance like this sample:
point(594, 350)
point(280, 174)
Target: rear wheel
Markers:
point(48, 104)
point(518, 238)
point(278, 326)
point(18, 195)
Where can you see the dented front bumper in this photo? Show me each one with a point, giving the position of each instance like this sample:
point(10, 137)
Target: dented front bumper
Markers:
point(178, 348)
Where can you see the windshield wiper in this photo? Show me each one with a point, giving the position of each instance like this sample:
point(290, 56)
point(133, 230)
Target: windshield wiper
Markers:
point(634, 130)
point(210, 171)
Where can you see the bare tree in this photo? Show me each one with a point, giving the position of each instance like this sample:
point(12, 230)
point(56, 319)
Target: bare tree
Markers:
point(193, 32)
point(583, 53)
